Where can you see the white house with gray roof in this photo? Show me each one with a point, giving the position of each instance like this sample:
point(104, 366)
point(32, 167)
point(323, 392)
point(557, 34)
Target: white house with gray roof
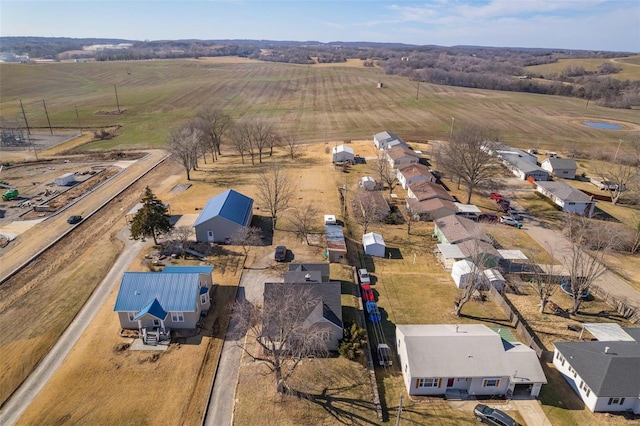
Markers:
point(570, 199)
point(385, 140)
point(466, 359)
point(561, 167)
point(604, 373)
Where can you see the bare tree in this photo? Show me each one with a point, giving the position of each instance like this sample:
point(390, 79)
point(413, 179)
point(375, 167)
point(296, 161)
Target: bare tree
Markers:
point(467, 157)
point(213, 123)
point(384, 172)
point(303, 220)
point(584, 262)
point(240, 135)
point(184, 145)
point(262, 135)
point(274, 141)
point(475, 279)
point(278, 328)
point(544, 282)
point(367, 211)
point(245, 237)
point(292, 143)
point(618, 177)
point(275, 190)
point(183, 234)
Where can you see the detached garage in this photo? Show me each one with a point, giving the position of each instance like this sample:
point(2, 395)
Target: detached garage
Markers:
point(224, 215)
point(342, 154)
point(373, 244)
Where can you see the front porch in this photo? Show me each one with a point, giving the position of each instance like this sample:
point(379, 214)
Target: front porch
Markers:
point(155, 336)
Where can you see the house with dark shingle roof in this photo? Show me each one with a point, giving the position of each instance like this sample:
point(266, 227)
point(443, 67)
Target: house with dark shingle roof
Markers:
point(604, 373)
point(401, 155)
point(561, 167)
point(324, 316)
point(570, 199)
point(466, 359)
point(222, 216)
point(153, 303)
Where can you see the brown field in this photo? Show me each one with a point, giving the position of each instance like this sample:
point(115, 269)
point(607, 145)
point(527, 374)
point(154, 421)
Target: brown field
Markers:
point(630, 66)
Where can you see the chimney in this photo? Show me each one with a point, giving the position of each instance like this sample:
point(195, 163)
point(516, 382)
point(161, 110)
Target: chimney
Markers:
point(606, 349)
point(307, 277)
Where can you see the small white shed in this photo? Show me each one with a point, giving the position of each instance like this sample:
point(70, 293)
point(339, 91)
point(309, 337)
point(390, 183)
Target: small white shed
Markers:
point(66, 179)
point(493, 278)
point(368, 183)
point(373, 244)
point(342, 153)
point(330, 219)
point(463, 272)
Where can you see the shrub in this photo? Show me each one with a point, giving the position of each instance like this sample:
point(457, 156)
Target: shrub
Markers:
point(354, 341)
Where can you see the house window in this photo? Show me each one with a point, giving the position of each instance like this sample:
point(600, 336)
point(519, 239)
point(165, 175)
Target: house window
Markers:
point(132, 315)
point(156, 323)
point(431, 382)
point(490, 383)
point(177, 317)
point(616, 401)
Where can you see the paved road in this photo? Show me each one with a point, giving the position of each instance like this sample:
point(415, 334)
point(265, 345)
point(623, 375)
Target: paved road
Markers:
point(223, 396)
point(30, 388)
point(44, 233)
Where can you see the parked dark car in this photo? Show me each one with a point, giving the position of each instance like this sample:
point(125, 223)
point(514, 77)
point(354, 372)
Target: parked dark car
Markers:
point(487, 217)
point(493, 416)
point(281, 254)
point(514, 214)
point(72, 220)
point(505, 207)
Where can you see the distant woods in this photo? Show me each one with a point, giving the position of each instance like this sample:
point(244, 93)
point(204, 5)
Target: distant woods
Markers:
point(488, 68)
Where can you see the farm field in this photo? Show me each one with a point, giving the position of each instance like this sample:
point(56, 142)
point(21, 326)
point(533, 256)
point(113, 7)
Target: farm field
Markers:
point(318, 103)
point(630, 68)
point(325, 105)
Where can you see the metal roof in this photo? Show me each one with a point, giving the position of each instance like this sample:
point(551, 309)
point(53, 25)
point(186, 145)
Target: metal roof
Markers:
point(153, 309)
point(335, 237)
point(175, 292)
point(231, 205)
point(185, 269)
point(342, 148)
point(608, 332)
point(450, 251)
point(372, 238)
point(512, 254)
point(467, 208)
point(564, 192)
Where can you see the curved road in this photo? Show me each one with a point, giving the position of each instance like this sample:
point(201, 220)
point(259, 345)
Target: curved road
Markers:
point(26, 393)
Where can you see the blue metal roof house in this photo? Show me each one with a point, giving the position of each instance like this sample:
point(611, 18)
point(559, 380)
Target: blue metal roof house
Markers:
point(154, 303)
point(223, 215)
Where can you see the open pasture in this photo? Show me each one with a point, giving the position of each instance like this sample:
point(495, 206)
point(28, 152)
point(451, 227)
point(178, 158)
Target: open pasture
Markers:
point(630, 66)
point(318, 103)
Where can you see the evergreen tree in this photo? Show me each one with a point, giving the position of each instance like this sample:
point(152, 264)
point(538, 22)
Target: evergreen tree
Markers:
point(152, 219)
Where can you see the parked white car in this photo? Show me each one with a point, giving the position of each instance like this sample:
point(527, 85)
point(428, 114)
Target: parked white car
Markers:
point(508, 220)
point(363, 275)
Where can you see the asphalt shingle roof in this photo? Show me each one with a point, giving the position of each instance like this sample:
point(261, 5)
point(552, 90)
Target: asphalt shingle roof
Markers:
point(612, 374)
point(564, 192)
point(231, 205)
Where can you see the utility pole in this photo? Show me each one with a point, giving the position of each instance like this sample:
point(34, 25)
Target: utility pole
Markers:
point(451, 132)
point(117, 101)
point(25, 118)
point(417, 91)
point(47, 114)
point(78, 118)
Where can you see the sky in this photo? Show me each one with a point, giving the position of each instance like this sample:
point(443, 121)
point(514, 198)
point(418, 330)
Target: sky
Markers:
point(612, 25)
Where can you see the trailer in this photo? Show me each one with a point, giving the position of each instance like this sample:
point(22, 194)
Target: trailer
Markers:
point(66, 179)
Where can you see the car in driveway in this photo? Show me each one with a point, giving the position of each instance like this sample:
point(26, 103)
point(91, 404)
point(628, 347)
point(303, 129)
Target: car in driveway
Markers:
point(514, 214)
point(508, 220)
point(493, 416)
point(496, 196)
point(363, 276)
point(72, 220)
point(487, 217)
point(280, 254)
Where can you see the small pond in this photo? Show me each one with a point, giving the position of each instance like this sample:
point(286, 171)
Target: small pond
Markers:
point(602, 125)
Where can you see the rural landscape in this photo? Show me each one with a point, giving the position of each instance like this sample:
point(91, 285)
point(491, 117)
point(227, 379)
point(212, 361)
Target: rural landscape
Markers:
point(111, 166)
